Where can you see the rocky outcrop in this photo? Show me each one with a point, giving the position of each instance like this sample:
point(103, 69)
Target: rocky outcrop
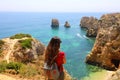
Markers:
point(22, 50)
point(67, 25)
point(109, 20)
point(106, 50)
point(91, 24)
point(87, 22)
point(55, 23)
point(29, 54)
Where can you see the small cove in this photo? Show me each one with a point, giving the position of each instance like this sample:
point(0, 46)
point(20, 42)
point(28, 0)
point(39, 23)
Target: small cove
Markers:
point(74, 41)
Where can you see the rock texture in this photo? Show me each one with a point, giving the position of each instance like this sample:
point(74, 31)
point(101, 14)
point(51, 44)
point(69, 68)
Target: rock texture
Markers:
point(114, 75)
point(67, 25)
point(106, 50)
point(55, 23)
point(13, 51)
point(91, 24)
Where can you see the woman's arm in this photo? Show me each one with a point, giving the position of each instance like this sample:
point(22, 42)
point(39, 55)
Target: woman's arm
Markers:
point(64, 60)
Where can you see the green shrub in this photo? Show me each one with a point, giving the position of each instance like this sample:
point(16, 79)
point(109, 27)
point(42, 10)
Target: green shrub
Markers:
point(26, 43)
point(14, 65)
point(3, 65)
point(1, 42)
point(92, 68)
point(28, 71)
point(1, 52)
point(23, 70)
point(19, 36)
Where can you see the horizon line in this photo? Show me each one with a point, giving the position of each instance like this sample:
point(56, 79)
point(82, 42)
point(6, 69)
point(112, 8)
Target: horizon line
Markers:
point(61, 12)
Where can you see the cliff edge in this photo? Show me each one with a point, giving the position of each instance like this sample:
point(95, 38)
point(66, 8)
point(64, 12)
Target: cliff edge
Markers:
point(22, 58)
point(106, 50)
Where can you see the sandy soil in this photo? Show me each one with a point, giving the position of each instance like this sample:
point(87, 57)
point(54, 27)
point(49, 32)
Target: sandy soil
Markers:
point(5, 77)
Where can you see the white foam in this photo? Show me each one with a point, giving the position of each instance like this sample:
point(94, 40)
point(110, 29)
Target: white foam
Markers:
point(85, 36)
point(79, 35)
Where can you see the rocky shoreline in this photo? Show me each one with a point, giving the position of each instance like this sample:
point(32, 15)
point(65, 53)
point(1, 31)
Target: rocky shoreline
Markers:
point(106, 50)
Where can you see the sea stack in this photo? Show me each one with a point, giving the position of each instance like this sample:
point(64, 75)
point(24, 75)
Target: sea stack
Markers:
point(55, 23)
point(67, 25)
point(106, 50)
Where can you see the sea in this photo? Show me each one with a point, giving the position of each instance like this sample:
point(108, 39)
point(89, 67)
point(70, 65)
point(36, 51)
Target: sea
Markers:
point(75, 43)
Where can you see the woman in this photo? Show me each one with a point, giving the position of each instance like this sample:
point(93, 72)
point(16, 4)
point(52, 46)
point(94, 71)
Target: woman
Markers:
point(54, 55)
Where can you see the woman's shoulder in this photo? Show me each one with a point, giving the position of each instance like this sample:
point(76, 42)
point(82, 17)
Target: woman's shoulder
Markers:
point(61, 52)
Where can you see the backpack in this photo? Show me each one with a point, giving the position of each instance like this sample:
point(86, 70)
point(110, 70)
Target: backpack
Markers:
point(51, 72)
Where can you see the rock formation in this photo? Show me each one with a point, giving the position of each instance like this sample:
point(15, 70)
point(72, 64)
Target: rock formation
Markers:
point(67, 25)
point(55, 23)
point(91, 24)
point(106, 50)
point(22, 50)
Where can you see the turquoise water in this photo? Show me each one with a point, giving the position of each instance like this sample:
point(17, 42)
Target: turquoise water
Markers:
point(74, 42)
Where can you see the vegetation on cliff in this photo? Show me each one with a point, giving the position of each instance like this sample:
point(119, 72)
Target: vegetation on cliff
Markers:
point(21, 69)
point(23, 56)
point(20, 35)
point(12, 65)
point(1, 44)
point(26, 43)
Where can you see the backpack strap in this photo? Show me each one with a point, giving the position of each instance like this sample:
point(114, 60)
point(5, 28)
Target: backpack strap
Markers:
point(53, 59)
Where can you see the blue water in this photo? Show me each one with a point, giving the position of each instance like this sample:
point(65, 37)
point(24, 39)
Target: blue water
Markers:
point(74, 42)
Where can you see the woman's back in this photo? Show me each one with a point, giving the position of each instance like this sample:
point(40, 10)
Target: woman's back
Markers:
point(53, 51)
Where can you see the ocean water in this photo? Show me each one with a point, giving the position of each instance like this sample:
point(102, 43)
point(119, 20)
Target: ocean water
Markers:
point(74, 42)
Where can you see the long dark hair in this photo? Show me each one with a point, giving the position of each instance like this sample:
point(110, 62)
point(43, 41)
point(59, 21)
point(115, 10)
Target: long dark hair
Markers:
point(52, 49)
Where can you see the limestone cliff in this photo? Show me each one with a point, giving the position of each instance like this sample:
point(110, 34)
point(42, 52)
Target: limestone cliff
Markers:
point(23, 50)
point(91, 24)
point(106, 50)
point(27, 51)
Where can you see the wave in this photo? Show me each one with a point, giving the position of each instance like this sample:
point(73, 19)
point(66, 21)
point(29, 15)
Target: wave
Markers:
point(80, 36)
point(85, 36)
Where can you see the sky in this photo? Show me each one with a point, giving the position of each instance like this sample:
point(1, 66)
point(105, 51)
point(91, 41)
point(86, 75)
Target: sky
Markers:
point(59, 5)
